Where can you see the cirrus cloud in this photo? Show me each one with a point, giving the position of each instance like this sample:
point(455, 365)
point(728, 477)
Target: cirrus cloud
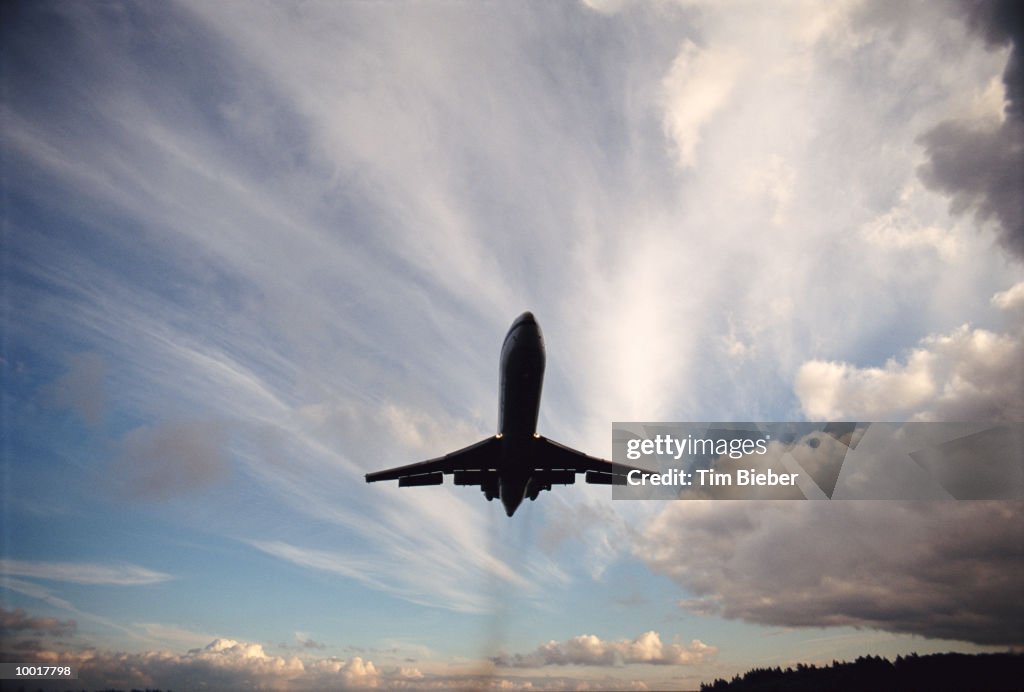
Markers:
point(83, 573)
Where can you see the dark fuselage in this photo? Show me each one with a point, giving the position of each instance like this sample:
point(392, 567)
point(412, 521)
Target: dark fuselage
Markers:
point(522, 378)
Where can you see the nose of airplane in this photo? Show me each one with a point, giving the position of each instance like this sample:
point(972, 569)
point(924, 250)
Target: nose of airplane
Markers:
point(527, 317)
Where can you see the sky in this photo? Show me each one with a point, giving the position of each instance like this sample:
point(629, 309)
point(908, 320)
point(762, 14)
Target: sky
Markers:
point(253, 251)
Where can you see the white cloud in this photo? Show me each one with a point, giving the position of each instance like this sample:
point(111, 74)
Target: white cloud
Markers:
point(899, 230)
point(605, 6)
point(83, 572)
point(695, 89)
point(1011, 299)
point(230, 664)
point(774, 180)
point(222, 664)
point(590, 650)
point(397, 578)
point(969, 374)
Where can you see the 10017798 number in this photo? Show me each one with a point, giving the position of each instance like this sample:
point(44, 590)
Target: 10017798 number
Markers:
point(9, 671)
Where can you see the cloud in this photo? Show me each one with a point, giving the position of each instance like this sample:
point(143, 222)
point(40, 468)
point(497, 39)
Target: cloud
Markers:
point(1012, 299)
point(169, 459)
point(695, 88)
point(590, 650)
point(223, 664)
point(172, 635)
point(948, 570)
point(306, 642)
point(967, 375)
point(898, 230)
point(16, 621)
point(980, 164)
point(230, 664)
point(380, 572)
point(83, 572)
point(1001, 22)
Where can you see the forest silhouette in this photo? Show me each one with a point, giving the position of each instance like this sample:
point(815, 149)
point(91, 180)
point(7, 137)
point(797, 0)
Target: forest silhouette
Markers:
point(950, 672)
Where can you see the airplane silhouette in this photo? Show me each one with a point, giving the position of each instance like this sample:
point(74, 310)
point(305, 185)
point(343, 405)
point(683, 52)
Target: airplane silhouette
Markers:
point(517, 462)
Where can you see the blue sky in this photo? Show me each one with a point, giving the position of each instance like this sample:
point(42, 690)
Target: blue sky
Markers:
point(252, 251)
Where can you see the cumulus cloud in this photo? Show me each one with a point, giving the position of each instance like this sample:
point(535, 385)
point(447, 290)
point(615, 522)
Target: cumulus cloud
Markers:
point(979, 164)
point(967, 375)
point(590, 650)
point(230, 664)
point(1012, 299)
point(223, 663)
point(897, 567)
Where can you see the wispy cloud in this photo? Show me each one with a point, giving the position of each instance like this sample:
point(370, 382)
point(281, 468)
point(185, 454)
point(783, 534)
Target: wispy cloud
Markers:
point(83, 572)
point(377, 573)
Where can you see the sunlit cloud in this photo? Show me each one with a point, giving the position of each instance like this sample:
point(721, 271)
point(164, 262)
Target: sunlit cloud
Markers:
point(590, 650)
point(967, 375)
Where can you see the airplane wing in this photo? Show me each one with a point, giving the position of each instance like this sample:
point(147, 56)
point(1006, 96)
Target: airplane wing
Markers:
point(477, 464)
point(477, 460)
point(556, 460)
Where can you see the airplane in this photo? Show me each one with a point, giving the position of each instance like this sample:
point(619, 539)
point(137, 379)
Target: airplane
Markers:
point(517, 462)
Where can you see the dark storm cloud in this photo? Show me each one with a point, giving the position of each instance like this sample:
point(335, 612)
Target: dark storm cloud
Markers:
point(1001, 22)
point(980, 166)
point(946, 570)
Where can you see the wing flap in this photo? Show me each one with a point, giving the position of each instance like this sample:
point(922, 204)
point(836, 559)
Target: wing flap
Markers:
point(421, 479)
point(476, 458)
point(552, 456)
